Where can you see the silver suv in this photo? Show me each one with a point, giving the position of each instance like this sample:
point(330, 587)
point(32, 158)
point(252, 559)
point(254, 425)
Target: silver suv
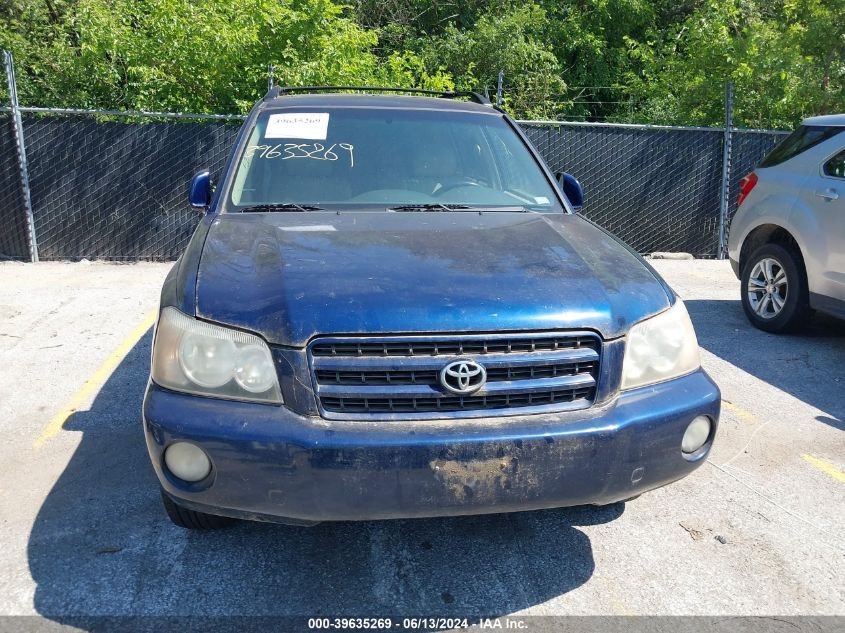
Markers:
point(787, 239)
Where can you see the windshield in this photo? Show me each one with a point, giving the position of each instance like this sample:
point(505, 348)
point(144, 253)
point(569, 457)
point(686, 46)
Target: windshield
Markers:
point(377, 159)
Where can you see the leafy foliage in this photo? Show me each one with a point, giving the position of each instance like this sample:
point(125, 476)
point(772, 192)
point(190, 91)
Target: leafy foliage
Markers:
point(656, 61)
point(511, 41)
point(787, 61)
point(192, 55)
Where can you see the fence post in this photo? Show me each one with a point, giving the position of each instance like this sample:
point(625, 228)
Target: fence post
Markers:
point(9, 62)
point(726, 167)
point(499, 84)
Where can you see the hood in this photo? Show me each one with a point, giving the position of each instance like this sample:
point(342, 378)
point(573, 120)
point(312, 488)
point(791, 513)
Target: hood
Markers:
point(291, 276)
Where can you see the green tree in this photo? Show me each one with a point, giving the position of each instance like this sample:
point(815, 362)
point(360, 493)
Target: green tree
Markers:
point(194, 55)
point(656, 61)
point(506, 37)
point(785, 59)
point(589, 38)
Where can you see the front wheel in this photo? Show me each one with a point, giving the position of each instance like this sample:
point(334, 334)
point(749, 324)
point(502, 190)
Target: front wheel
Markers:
point(774, 289)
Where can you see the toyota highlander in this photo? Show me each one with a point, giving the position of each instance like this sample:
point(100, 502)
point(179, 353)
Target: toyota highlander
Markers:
point(390, 308)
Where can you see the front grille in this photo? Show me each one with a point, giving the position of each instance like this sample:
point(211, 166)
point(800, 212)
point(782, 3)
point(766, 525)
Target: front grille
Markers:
point(398, 377)
point(453, 403)
point(459, 346)
point(393, 377)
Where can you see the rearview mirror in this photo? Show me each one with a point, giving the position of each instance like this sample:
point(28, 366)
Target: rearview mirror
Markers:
point(572, 189)
point(200, 193)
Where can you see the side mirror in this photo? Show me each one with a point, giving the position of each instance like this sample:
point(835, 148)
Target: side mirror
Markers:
point(200, 193)
point(572, 189)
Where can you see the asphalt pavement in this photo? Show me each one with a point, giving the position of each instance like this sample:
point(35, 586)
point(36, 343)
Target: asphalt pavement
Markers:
point(757, 530)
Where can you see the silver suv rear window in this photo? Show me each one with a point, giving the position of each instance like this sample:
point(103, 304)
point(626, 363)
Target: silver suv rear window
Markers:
point(799, 141)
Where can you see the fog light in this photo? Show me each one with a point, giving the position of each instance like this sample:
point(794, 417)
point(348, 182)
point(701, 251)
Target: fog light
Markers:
point(187, 462)
point(696, 434)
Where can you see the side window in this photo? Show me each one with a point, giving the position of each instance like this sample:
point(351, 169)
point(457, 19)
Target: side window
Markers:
point(836, 166)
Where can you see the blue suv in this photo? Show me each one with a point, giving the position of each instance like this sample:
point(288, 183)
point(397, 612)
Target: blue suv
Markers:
point(390, 309)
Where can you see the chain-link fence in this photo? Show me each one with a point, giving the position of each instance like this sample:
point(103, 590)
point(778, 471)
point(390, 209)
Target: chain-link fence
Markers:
point(656, 189)
point(748, 147)
point(13, 226)
point(117, 190)
point(113, 186)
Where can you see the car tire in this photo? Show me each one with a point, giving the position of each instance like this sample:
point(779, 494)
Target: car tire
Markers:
point(191, 519)
point(779, 298)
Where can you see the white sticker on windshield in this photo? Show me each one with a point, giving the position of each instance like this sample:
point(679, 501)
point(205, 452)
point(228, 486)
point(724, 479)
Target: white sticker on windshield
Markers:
point(307, 125)
point(541, 200)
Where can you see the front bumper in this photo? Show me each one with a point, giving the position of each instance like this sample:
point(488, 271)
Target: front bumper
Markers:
point(270, 463)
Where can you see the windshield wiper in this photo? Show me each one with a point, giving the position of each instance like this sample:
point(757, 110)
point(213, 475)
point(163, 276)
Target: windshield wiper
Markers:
point(432, 206)
point(510, 209)
point(281, 206)
point(438, 206)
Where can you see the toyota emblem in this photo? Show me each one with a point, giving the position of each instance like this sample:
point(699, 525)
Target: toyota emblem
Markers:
point(463, 377)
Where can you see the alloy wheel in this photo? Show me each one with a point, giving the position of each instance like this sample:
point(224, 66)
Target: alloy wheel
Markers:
point(767, 288)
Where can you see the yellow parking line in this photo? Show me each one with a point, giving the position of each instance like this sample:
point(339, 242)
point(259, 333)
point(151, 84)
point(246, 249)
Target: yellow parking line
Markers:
point(95, 381)
point(738, 411)
point(825, 466)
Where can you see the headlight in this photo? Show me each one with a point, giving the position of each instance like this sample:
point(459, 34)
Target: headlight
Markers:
point(210, 360)
point(660, 348)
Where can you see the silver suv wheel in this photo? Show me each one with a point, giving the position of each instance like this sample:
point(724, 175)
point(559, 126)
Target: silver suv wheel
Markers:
point(767, 288)
point(775, 297)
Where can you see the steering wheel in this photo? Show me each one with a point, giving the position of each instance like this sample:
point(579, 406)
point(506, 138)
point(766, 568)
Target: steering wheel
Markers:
point(464, 181)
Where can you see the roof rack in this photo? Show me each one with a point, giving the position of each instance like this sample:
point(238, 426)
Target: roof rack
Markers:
point(278, 91)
